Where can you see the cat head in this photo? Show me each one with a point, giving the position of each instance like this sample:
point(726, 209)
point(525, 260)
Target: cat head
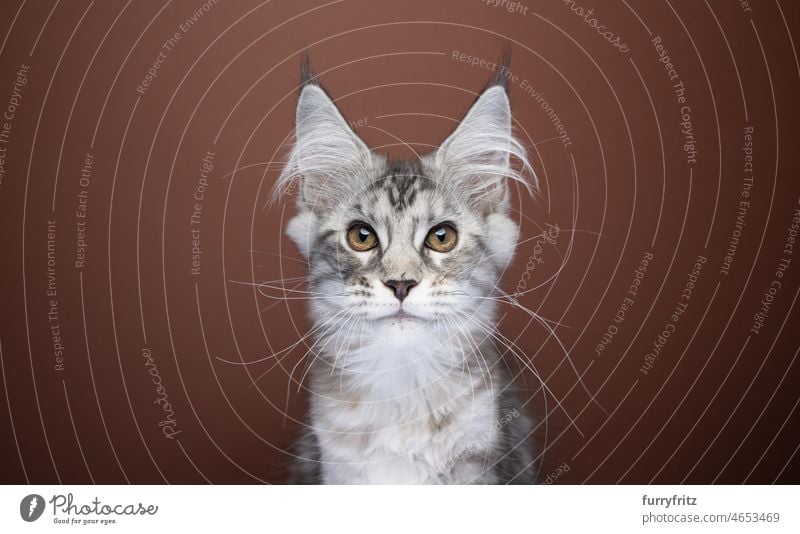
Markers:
point(404, 245)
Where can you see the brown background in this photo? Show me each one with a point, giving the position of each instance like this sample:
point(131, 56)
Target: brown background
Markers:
point(719, 404)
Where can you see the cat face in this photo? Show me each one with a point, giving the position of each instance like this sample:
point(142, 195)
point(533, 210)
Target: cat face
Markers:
point(400, 246)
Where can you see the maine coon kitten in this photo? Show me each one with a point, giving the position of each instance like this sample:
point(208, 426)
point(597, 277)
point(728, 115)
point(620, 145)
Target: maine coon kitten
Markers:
point(404, 258)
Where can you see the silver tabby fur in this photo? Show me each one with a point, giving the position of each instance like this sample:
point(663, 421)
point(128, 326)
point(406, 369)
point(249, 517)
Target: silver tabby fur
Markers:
point(407, 391)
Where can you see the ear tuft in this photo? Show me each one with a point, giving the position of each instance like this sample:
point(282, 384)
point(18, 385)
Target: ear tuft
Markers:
point(307, 74)
point(503, 72)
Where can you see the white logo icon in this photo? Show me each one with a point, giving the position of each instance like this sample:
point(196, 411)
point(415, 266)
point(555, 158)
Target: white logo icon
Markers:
point(31, 507)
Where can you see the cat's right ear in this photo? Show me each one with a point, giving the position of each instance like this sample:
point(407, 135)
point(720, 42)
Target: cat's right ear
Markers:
point(327, 157)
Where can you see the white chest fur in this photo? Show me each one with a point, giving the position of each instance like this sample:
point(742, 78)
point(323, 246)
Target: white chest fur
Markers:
point(402, 421)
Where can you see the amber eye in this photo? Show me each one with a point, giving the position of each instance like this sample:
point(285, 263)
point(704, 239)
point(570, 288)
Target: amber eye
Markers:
point(361, 237)
point(442, 238)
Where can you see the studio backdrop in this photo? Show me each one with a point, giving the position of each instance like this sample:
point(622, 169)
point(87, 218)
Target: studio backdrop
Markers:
point(154, 322)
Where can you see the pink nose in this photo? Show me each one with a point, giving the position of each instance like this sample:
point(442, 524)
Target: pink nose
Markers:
point(400, 287)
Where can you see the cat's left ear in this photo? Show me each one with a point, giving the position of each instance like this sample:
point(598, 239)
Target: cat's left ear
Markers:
point(327, 158)
point(477, 156)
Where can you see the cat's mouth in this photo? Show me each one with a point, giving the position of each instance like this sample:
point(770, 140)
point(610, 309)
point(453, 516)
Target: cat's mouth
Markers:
point(401, 315)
